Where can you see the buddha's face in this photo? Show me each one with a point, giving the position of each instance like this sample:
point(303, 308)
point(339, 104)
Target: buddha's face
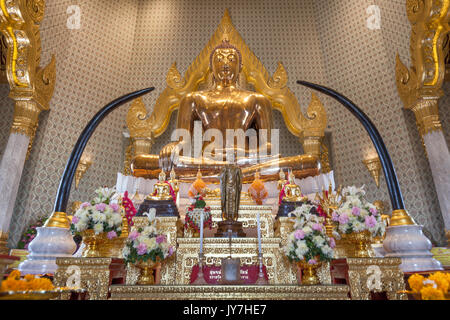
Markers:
point(225, 65)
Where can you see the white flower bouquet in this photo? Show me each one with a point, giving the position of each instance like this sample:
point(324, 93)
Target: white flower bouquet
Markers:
point(146, 244)
point(309, 242)
point(356, 214)
point(100, 215)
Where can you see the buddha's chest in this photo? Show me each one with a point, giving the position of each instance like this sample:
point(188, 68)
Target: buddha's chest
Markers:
point(225, 112)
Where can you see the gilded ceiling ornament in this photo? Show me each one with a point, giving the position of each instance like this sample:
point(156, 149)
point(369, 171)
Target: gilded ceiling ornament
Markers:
point(198, 73)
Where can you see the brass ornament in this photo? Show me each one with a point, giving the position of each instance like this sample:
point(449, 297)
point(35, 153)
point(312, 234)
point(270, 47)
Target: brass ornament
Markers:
point(373, 165)
point(401, 218)
point(274, 88)
point(83, 166)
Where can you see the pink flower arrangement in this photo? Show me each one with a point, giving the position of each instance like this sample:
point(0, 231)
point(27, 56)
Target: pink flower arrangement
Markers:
point(114, 206)
point(111, 235)
point(373, 211)
point(75, 219)
point(317, 227)
point(85, 205)
point(141, 249)
point(370, 221)
point(299, 234)
point(356, 211)
point(343, 218)
point(133, 235)
point(100, 207)
point(160, 239)
point(312, 261)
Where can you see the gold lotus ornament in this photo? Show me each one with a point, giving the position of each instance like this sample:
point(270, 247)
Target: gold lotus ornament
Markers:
point(147, 269)
point(309, 272)
point(358, 244)
point(373, 165)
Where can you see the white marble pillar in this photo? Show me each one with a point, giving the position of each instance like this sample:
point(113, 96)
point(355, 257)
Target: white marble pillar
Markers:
point(439, 158)
point(11, 168)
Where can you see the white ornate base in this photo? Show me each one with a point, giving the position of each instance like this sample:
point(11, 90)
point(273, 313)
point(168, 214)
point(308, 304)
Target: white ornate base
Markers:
point(49, 244)
point(378, 249)
point(411, 245)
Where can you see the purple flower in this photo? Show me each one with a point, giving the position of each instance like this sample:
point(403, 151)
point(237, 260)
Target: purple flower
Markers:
point(133, 235)
point(299, 234)
point(332, 243)
point(356, 211)
point(111, 234)
point(370, 221)
point(141, 249)
point(170, 251)
point(335, 217)
point(114, 206)
point(85, 205)
point(312, 261)
point(75, 219)
point(100, 207)
point(317, 227)
point(373, 211)
point(343, 218)
point(160, 239)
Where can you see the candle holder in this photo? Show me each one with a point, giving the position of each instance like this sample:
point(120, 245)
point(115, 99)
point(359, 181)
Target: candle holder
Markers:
point(200, 281)
point(261, 279)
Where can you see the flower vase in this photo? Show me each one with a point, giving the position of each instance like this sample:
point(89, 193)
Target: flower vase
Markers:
point(95, 244)
point(309, 272)
point(146, 276)
point(112, 248)
point(358, 244)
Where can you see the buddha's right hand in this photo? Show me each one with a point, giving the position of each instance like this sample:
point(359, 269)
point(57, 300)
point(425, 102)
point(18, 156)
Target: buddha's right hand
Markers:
point(167, 155)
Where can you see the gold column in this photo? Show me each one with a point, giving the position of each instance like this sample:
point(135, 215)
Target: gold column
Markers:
point(31, 87)
point(420, 86)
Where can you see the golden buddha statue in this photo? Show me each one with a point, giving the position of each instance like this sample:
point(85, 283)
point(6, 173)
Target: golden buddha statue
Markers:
point(224, 106)
point(174, 182)
point(282, 181)
point(292, 192)
point(161, 189)
point(384, 218)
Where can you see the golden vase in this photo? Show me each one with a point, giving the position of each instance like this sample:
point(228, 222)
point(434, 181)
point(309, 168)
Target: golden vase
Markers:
point(146, 275)
point(358, 244)
point(309, 272)
point(95, 244)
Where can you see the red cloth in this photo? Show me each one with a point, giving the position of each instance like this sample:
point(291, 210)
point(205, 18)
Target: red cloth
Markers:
point(249, 274)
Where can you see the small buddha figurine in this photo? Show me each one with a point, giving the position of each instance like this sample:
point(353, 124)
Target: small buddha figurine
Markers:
point(198, 186)
point(161, 189)
point(292, 192)
point(384, 218)
point(174, 182)
point(257, 190)
point(282, 181)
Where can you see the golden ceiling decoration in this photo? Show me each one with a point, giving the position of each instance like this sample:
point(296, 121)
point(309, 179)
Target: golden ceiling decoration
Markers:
point(255, 73)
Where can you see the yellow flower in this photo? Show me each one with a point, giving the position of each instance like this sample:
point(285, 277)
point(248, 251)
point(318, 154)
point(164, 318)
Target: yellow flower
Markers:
point(15, 274)
point(29, 277)
point(441, 281)
point(416, 282)
point(430, 293)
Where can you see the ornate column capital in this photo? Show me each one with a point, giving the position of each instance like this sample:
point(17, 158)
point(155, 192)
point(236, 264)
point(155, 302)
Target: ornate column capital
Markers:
point(420, 86)
point(31, 87)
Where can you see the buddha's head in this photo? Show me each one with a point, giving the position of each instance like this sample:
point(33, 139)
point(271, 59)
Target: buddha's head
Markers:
point(226, 63)
point(162, 176)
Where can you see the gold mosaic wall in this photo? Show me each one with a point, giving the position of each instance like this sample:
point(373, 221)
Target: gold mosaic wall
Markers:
point(125, 45)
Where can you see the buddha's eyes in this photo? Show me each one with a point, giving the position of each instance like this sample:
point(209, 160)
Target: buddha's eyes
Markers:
point(219, 57)
point(231, 57)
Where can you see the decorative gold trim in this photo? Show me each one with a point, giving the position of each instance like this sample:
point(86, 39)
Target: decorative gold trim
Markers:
point(241, 292)
point(374, 167)
point(58, 220)
point(4, 250)
point(31, 87)
point(420, 87)
point(274, 88)
point(401, 218)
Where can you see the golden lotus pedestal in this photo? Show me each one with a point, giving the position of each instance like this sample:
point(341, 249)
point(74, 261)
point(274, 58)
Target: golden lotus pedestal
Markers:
point(233, 292)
